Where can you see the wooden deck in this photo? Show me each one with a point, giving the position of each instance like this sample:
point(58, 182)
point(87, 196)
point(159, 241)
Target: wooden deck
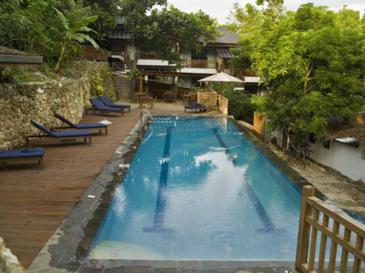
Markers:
point(34, 202)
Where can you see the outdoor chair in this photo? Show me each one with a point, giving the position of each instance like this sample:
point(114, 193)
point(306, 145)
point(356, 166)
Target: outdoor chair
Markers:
point(144, 98)
point(195, 107)
point(170, 96)
point(82, 126)
point(64, 137)
point(101, 108)
point(107, 102)
point(21, 156)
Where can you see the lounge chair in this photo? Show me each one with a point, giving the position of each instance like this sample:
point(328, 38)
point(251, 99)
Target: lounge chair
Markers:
point(21, 155)
point(195, 107)
point(67, 137)
point(82, 126)
point(100, 107)
point(107, 102)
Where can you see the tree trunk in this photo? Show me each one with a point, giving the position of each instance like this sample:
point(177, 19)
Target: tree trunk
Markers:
point(61, 57)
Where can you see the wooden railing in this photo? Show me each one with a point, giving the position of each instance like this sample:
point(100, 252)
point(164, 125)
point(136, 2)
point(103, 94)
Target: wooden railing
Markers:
point(91, 54)
point(341, 243)
point(199, 63)
point(213, 101)
point(223, 104)
point(150, 55)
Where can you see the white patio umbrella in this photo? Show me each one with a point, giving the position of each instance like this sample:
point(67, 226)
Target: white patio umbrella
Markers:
point(222, 78)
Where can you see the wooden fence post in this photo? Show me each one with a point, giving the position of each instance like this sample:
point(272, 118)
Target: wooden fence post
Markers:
point(304, 229)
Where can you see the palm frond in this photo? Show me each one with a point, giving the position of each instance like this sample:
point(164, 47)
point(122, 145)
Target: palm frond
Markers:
point(62, 18)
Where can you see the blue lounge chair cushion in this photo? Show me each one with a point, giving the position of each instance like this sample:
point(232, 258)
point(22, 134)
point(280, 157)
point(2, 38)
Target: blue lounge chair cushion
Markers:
point(80, 125)
point(62, 134)
point(195, 105)
point(90, 126)
point(99, 105)
point(22, 153)
point(106, 100)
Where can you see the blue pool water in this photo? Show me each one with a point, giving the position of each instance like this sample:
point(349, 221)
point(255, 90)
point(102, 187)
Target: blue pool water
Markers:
point(198, 189)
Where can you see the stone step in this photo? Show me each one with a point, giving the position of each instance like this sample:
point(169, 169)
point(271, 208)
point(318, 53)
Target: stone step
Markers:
point(122, 86)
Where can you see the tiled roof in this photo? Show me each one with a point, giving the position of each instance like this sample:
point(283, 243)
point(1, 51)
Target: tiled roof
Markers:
point(225, 36)
point(354, 130)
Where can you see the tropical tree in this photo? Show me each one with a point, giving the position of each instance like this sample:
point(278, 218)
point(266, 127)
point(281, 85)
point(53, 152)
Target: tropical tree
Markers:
point(166, 29)
point(171, 30)
point(76, 32)
point(26, 25)
point(311, 62)
point(107, 12)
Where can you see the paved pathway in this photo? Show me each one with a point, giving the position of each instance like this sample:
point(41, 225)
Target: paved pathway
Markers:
point(341, 191)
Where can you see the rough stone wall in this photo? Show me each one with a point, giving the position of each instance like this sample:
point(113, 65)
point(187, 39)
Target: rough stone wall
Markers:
point(8, 262)
point(21, 103)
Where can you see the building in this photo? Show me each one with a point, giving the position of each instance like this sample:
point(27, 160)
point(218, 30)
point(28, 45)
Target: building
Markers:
point(343, 150)
point(213, 58)
point(12, 57)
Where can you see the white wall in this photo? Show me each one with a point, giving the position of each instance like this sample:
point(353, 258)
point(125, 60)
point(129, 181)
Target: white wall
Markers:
point(340, 157)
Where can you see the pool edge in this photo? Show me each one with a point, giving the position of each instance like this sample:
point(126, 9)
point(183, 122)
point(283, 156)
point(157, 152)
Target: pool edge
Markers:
point(66, 250)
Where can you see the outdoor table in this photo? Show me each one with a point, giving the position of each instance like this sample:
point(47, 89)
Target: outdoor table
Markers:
point(143, 97)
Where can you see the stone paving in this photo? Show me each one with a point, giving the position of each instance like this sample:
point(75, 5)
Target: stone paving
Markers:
point(339, 190)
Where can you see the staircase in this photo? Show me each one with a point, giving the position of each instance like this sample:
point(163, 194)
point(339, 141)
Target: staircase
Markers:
point(122, 85)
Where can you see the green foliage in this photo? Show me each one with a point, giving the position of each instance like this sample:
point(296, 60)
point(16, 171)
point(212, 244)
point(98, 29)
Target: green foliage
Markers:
point(45, 27)
point(27, 25)
point(134, 73)
point(97, 85)
point(106, 11)
point(239, 104)
point(101, 78)
point(26, 74)
point(76, 31)
point(172, 30)
point(167, 30)
point(312, 62)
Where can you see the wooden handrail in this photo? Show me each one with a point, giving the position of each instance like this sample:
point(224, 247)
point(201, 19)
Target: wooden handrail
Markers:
point(199, 63)
point(318, 218)
point(153, 55)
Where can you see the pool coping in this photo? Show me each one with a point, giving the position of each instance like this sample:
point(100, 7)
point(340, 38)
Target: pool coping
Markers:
point(67, 249)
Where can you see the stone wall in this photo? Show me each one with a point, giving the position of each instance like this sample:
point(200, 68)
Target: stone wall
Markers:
point(8, 262)
point(21, 103)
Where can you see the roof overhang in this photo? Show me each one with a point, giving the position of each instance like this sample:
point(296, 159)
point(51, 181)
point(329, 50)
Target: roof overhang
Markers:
point(154, 63)
point(184, 72)
point(252, 79)
point(15, 60)
point(225, 53)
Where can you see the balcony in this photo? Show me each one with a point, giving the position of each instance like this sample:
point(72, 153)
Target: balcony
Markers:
point(150, 55)
point(199, 63)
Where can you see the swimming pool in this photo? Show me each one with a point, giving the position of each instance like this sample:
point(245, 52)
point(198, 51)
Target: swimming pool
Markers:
point(197, 189)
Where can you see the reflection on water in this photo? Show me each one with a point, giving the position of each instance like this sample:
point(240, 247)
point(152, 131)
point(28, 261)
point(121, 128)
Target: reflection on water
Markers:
point(197, 189)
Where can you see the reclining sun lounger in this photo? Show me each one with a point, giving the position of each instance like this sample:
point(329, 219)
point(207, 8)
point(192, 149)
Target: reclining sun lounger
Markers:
point(100, 107)
point(21, 155)
point(67, 137)
point(82, 126)
point(195, 107)
point(107, 102)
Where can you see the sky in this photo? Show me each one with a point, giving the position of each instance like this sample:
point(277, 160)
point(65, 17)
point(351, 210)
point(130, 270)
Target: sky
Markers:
point(220, 9)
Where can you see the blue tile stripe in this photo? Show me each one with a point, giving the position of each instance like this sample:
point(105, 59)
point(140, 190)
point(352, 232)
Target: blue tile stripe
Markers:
point(260, 209)
point(158, 221)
